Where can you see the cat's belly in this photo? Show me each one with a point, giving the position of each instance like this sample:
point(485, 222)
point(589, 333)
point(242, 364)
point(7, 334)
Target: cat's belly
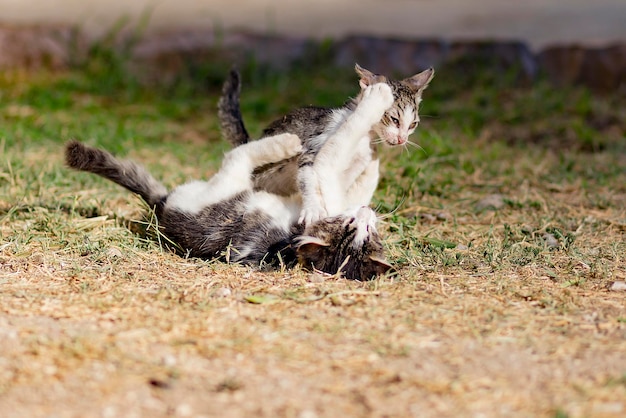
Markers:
point(283, 211)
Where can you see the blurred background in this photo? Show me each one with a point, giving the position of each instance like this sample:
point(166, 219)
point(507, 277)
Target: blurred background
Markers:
point(538, 22)
point(488, 55)
point(574, 42)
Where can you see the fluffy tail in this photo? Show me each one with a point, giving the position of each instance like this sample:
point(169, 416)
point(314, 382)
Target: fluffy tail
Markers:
point(229, 112)
point(125, 173)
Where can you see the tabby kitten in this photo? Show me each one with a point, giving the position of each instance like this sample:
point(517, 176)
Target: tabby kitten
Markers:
point(225, 218)
point(315, 125)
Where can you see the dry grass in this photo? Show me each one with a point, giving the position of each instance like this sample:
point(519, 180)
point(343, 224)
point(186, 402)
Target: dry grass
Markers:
point(503, 312)
point(111, 326)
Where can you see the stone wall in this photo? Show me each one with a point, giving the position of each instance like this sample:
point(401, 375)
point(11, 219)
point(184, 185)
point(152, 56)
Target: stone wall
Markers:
point(602, 69)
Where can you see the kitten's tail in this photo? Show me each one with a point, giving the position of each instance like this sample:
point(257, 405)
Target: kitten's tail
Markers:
point(125, 173)
point(229, 112)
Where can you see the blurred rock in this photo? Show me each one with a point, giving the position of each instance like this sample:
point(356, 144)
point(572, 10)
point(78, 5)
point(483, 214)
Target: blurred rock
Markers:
point(405, 56)
point(550, 240)
point(491, 202)
point(114, 252)
point(34, 47)
point(602, 69)
point(388, 55)
point(505, 55)
point(223, 292)
point(427, 218)
point(562, 63)
point(316, 278)
point(163, 56)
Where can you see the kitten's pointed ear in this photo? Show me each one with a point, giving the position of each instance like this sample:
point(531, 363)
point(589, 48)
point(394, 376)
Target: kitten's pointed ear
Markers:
point(309, 240)
point(307, 244)
point(382, 266)
point(367, 77)
point(420, 81)
point(308, 250)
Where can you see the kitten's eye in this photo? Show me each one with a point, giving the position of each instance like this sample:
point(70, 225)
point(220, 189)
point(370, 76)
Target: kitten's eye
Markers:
point(413, 125)
point(395, 120)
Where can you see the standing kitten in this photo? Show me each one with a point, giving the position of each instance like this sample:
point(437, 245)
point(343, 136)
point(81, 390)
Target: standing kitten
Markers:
point(315, 125)
point(225, 218)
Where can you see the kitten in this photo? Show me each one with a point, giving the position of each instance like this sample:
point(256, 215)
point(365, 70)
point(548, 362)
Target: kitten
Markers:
point(225, 218)
point(315, 125)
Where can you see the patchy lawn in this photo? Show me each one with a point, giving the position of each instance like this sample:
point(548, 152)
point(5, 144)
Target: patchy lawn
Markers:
point(507, 226)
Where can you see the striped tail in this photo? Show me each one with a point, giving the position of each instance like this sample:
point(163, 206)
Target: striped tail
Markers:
point(229, 112)
point(127, 174)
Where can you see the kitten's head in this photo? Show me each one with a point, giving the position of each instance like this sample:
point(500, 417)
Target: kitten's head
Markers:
point(402, 118)
point(348, 243)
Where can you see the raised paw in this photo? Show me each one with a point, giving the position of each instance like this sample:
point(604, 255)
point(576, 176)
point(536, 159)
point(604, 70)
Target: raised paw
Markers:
point(380, 94)
point(287, 145)
point(376, 99)
point(311, 215)
point(293, 143)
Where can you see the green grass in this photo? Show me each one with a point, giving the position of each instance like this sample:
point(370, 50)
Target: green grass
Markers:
point(470, 144)
point(520, 287)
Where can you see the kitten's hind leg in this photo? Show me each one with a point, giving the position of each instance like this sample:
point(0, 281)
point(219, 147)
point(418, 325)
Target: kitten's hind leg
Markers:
point(235, 175)
point(239, 163)
point(270, 149)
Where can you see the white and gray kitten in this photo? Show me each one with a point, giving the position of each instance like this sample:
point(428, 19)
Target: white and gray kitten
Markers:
point(225, 218)
point(396, 118)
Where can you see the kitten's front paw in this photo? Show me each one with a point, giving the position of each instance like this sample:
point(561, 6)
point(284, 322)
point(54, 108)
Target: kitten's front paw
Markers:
point(383, 92)
point(311, 215)
point(291, 144)
point(376, 99)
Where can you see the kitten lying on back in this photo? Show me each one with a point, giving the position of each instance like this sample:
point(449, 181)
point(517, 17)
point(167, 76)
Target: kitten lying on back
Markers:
point(225, 218)
point(315, 125)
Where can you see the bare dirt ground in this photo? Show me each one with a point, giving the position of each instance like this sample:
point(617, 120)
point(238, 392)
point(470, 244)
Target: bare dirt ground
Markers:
point(107, 327)
point(164, 337)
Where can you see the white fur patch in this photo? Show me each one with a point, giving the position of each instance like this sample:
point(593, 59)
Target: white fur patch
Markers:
point(408, 117)
point(233, 178)
point(360, 193)
point(365, 220)
point(337, 119)
point(283, 210)
point(192, 197)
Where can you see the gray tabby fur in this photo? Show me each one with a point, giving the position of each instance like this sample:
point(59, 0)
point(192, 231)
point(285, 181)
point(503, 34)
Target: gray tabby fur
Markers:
point(315, 124)
point(225, 218)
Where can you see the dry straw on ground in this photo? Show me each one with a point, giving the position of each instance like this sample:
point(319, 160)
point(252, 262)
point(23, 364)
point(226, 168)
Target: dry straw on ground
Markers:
point(97, 322)
point(507, 301)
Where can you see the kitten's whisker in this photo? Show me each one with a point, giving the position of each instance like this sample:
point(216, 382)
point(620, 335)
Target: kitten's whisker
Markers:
point(384, 216)
point(418, 146)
